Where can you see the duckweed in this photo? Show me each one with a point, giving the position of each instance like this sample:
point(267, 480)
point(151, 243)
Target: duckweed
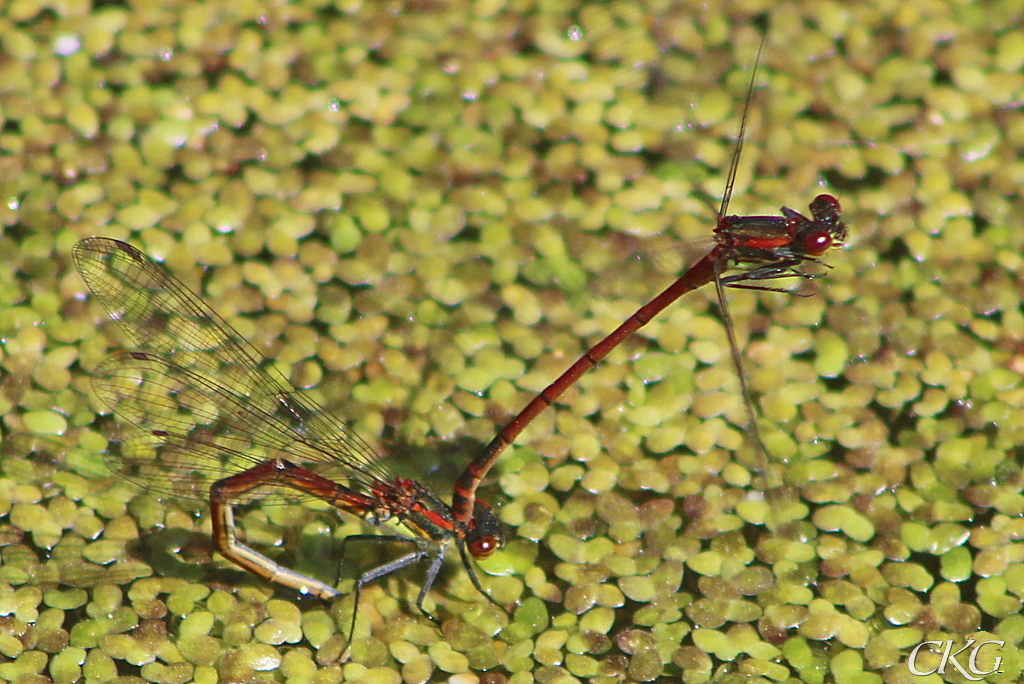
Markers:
point(426, 215)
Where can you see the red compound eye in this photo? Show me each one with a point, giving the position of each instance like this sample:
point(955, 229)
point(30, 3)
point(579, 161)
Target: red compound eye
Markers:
point(817, 242)
point(483, 547)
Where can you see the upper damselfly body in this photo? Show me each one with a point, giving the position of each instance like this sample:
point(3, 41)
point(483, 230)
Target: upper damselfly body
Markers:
point(750, 252)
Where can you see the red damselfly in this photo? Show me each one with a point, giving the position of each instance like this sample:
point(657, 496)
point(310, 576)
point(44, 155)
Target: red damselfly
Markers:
point(217, 422)
point(748, 250)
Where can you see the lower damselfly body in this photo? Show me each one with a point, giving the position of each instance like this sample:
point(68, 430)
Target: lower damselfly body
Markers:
point(215, 421)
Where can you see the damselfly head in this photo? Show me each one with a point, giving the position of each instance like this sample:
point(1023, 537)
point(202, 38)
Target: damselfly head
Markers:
point(485, 534)
point(830, 231)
